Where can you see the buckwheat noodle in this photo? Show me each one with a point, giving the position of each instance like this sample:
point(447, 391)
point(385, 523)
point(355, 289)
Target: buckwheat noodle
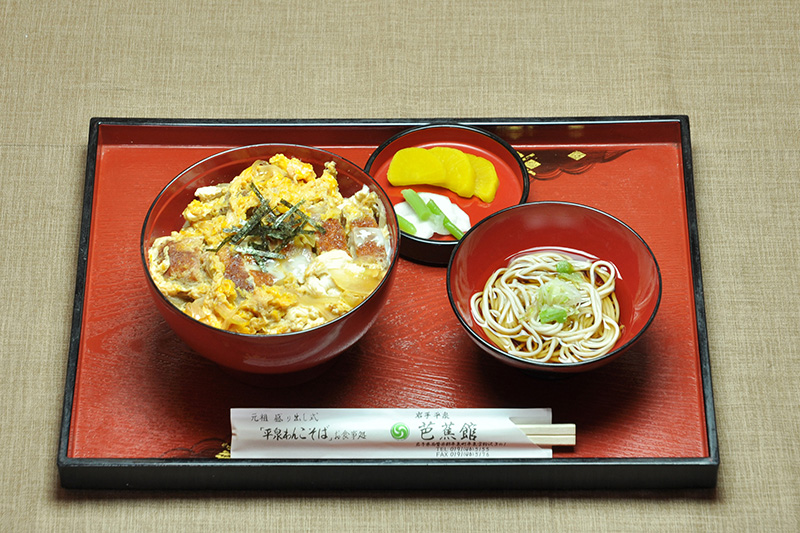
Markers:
point(507, 309)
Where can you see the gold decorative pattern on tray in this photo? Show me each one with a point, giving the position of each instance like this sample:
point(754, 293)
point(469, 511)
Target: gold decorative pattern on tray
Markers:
point(550, 164)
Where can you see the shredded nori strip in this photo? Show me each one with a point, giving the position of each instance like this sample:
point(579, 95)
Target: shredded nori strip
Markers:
point(258, 253)
point(258, 193)
point(247, 227)
point(301, 217)
point(264, 227)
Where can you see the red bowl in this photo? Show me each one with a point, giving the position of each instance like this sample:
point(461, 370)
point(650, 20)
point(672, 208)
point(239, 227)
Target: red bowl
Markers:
point(264, 354)
point(511, 171)
point(571, 228)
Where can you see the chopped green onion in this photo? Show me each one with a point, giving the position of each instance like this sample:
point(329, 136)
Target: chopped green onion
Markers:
point(564, 267)
point(549, 314)
point(417, 204)
point(566, 271)
point(406, 226)
point(446, 222)
point(557, 301)
point(574, 277)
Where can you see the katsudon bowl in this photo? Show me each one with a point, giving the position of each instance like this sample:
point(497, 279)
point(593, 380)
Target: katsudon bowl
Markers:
point(279, 354)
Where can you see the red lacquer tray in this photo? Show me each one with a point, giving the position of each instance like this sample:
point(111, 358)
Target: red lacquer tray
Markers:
point(141, 410)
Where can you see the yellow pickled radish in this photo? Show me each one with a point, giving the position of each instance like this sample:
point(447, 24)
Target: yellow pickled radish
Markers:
point(486, 180)
point(416, 166)
point(460, 174)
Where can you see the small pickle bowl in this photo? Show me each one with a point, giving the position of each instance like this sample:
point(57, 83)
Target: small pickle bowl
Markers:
point(289, 357)
point(512, 177)
point(578, 231)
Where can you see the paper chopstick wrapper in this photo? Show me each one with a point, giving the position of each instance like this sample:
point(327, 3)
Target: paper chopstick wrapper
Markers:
point(435, 434)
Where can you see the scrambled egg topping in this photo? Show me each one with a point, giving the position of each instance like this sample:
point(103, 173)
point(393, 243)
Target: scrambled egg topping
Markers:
point(332, 264)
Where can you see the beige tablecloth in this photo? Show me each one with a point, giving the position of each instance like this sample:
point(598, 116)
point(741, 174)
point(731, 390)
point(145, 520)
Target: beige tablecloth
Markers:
point(732, 67)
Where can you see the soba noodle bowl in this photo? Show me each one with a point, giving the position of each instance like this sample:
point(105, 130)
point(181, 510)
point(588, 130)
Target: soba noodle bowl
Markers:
point(550, 307)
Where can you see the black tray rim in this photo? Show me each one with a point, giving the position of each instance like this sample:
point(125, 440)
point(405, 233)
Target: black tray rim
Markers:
point(248, 474)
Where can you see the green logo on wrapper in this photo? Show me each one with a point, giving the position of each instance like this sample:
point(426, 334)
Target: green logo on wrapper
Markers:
point(399, 431)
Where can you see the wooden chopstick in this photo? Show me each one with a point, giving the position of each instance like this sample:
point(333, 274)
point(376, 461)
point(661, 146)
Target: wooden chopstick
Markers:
point(549, 434)
point(552, 440)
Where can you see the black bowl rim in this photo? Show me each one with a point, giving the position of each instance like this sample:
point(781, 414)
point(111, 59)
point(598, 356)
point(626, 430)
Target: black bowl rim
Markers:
point(421, 243)
point(540, 365)
point(289, 146)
